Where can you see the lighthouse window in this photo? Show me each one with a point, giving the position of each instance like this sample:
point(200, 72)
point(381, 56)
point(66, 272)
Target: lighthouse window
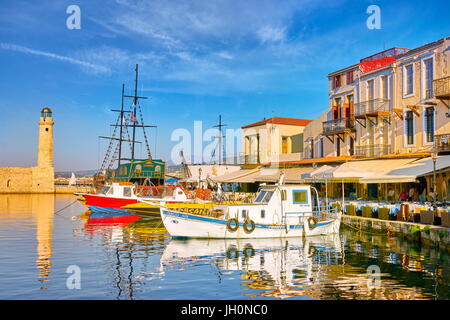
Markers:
point(46, 129)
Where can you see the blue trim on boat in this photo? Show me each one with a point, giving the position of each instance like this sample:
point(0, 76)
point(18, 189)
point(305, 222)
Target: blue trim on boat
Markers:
point(241, 224)
point(97, 209)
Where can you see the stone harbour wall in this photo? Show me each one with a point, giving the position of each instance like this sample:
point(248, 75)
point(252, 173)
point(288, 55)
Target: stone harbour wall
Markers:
point(437, 236)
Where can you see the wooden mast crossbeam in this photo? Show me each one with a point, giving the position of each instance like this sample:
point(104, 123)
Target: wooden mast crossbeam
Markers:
point(117, 139)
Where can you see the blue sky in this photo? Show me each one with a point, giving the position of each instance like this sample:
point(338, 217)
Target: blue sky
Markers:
point(245, 60)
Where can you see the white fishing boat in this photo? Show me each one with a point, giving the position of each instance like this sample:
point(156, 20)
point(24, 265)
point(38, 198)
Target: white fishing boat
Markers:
point(279, 211)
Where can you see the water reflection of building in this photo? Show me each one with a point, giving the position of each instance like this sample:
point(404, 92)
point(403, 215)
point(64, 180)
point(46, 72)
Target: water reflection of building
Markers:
point(41, 208)
point(317, 268)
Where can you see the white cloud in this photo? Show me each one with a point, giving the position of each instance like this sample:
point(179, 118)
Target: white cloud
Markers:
point(90, 67)
point(271, 34)
point(225, 55)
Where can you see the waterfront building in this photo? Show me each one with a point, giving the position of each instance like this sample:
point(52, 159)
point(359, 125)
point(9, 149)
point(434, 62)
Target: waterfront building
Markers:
point(387, 115)
point(39, 179)
point(391, 105)
point(273, 140)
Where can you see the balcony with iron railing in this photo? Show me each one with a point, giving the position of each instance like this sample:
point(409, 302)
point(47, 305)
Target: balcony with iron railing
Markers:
point(442, 143)
point(372, 150)
point(338, 125)
point(374, 108)
point(441, 88)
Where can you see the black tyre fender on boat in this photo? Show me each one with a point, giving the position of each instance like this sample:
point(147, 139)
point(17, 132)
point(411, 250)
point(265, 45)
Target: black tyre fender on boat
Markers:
point(249, 226)
point(312, 222)
point(248, 251)
point(232, 224)
point(232, 253)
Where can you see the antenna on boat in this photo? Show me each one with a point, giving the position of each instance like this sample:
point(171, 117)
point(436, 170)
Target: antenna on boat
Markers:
point(220, 137)
point(281, 179)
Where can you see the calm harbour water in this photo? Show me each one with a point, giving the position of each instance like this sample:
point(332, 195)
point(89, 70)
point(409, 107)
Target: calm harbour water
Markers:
point(134, 258)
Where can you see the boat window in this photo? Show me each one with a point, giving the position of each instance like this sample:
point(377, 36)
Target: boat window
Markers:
point(127, 192)
point(263, 214)
point(260, 196)
point(104, 190)
point(268, 196)
point(300, 196)
point(244, 214)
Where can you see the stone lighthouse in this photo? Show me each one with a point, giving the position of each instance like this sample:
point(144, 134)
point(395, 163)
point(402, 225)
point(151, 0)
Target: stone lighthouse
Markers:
point(45, 144)
point(39, 179)
point(44, 174)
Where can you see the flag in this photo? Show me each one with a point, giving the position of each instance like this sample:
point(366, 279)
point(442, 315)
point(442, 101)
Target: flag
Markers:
point(133, 118)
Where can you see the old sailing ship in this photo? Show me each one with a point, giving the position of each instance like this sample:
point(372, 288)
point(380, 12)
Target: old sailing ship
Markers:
point(133, 178)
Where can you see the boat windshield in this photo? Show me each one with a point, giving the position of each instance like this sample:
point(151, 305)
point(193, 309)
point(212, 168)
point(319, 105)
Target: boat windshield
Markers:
point(264, 196)
point(104, 190)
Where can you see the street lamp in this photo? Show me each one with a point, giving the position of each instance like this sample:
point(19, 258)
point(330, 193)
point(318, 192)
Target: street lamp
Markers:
point(434, 157)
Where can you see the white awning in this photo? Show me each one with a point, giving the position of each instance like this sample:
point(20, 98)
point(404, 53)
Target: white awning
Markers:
point(240, 176)
point(203, 172)
point(409, 172)
point(291, 175)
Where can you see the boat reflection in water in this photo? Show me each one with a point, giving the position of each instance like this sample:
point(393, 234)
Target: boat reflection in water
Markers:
point(271, 266)
point(323, 267)
point(126, 239)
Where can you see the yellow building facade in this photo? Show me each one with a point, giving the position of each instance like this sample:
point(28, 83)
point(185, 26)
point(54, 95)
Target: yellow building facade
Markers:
point(393, 103)
point(273, 140)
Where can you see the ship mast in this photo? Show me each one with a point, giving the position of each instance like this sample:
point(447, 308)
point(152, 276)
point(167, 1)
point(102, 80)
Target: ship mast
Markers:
point(136, 98)
point(220, 141)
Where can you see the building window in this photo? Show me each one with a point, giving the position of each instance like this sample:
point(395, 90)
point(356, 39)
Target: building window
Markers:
point(337, 108)
point(409, 122)
point(284, 144)
point(385, 87)
point(428, 64)
point(321, 147)
point(338, 147)
point(311, 148)
point(336, 81)
point(429, 124)
point(350, 78)
point(409, 79)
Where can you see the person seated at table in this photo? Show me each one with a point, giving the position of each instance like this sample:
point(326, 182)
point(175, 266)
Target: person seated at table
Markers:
point(391, 194)
point(415, 196)
point(411, 192)
point(403, 196)
point(431, 195)
point(422, 197)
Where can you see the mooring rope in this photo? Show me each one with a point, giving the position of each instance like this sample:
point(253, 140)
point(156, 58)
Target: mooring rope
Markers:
point(57, 212)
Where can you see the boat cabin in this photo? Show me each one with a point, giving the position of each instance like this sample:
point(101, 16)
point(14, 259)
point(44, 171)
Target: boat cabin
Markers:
point(129, 190)
point(276, 205)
